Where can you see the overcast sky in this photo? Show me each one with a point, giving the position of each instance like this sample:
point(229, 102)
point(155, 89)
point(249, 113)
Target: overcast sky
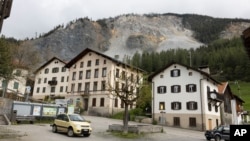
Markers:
point(32, 17)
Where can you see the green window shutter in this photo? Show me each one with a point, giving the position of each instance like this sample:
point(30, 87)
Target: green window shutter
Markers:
point(16, 84)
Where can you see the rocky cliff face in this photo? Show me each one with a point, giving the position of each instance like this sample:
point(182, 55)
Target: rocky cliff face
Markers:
point(122, 36)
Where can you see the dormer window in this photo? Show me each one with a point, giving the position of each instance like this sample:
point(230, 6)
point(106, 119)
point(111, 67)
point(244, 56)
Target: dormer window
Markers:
point(175, 73)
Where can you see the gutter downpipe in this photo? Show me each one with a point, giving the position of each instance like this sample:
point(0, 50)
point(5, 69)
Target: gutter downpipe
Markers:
point(153, 103)
point(202, 116)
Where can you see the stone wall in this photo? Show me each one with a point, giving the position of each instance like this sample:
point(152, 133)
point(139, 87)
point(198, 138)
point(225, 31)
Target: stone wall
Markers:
point(5, 106)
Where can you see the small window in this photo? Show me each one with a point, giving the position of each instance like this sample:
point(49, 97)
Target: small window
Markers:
point(162, 106)
point(89, 63)
point(88, 73)
point(97, 62)
point(46, 71)
point(74, 76)
point(96, 73)
point(104, 72)
point(192, 122)
point(161, 76)
point(81, 65)
point(190, 73)
point(176, 89)
point(191, 105)
point(93, 102)
point(53, 89)
point(63, 69)
point(161, 89)
point(61, 89)
point(176, 121)
point(191, 88)
point(55, 70)
point(80, 75)
point(102, 102)
point(175, 73)
point(176, 105)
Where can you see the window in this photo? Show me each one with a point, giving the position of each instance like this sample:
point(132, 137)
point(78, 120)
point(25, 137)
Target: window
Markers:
point(72, 88)
point(93, 102)
point(54, 78)
point(88, 73)
point(176, 121)
point(176, 89)
point(79, 87)
point(89, 63)
point(190, 73)
point(74, 76)
point(55, 70)
point(37, 90)
point(104, 61)
point(18, 72)
point(39, 81)
point(123, 75)
point(97, 62)
point(45, 80)
point(161, 76)
point(209, 107)
point(216, 108)
point(96, 73)
point(117, 85)
point(80, 75)
point(192, 105)
point(86, 89)
point(132, 77)
point(67, 78)
point(191, 88)
point(63, 69)
point(104, 72)
point(192, 122)
point(81, 65)
point(95, 86)
point(44, 89)
point(116, 102)
point(46, 71)
point(176, 105)
point(162, 106)
point(103, 85)
point(53, 89)
point(102, 102)
point(62, 79)
point(175, 73)
point(61, 89)
point(161, 89)
point(117, 73)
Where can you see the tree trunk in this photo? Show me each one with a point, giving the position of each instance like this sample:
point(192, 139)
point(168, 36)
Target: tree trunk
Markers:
point(125, 119)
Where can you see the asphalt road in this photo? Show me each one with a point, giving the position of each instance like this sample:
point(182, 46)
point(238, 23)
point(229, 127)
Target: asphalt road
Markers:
point(43, 132)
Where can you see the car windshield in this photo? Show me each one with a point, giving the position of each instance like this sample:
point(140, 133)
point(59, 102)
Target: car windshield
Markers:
point(76, 118)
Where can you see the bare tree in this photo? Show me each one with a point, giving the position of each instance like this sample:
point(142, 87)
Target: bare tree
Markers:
point(125, 85)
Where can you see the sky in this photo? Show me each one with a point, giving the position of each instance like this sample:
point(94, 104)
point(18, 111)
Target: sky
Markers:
point(29, 18)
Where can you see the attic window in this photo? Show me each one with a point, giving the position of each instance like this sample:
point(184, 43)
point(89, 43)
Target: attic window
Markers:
point(56, 62)
point(190, 73)
point(89, 54)
point(161, 76)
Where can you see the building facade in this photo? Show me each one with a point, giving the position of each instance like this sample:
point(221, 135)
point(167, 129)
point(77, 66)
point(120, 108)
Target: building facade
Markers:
point(91, 75)
point(51, 79)
point(185, 97)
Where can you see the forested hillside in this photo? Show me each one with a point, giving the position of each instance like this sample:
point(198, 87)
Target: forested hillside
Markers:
point(226, 59)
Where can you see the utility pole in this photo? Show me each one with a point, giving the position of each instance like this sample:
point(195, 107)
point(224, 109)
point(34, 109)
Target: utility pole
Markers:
point(190, 59)
point(5, 8)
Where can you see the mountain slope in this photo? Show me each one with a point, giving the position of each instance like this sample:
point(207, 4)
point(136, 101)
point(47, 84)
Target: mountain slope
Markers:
point(124, 35)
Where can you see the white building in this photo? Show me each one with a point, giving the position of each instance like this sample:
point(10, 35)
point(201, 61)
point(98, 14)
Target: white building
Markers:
point(185, 97)
point(51, 79)
point(18, 84)
point(90, 73)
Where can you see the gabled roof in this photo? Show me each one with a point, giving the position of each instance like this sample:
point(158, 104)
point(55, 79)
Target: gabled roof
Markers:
point(172, 63)
point(238, 99)
point(87, 50)
point(48, 62)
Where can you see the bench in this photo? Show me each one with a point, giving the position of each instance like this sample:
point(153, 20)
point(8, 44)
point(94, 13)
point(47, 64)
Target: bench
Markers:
point(31, 119)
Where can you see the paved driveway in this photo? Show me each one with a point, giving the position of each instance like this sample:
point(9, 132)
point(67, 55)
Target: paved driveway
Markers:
point(42, 132)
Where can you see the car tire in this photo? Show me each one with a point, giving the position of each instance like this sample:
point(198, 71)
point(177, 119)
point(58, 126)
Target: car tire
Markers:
point(86, 135)
point(54, 128)
point(208, 138)
point(70, 132)
point(217, 138)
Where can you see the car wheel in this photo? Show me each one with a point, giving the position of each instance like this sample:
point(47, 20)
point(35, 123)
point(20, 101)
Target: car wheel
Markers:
point(54, 128)
point(217, 138)
point(86, 135)
point(208, 138)
point(70, 132)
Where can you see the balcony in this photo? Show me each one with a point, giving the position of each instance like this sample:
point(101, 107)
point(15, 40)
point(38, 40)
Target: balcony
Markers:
point(52, 82)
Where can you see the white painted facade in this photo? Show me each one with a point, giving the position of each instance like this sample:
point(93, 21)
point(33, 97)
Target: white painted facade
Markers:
point(53, 70)
point(90, 73)
point(18, 84)
point(179, 98)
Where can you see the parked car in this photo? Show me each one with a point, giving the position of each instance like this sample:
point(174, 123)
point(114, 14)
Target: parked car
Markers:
point(218, 133)
point(72, 124)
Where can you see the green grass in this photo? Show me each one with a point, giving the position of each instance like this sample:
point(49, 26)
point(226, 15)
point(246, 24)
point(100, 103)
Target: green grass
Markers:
point(243, 92)
point(127, 135)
